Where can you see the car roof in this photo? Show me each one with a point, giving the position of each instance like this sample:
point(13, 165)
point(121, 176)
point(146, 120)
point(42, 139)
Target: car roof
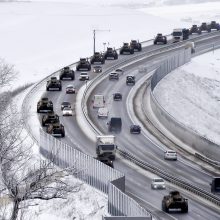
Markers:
point(171, 151)
point(84, 73)
point(158, 178)
point(69, 86)
point(103, 108)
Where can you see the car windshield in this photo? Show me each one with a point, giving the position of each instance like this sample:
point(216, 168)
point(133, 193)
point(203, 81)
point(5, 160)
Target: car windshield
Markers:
point(102, 110)
point(67, 108)
point(84, 74)
point(117, 94)
point(69, 87)
point(158, 180)
point(177, 33)
point(171, 152)
point(107, 147)
point(65, 103)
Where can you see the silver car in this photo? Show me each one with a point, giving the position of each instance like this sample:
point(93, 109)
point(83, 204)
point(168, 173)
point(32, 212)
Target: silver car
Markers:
point(170, 155)
point(158, 183)
point(84, 76)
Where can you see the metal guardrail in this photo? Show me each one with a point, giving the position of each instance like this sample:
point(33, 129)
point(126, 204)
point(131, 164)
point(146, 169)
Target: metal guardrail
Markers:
point(102, 76)
point(175, 180)
point(116, 209)
point(184, 133)
point(94, 173)
point(164, 174)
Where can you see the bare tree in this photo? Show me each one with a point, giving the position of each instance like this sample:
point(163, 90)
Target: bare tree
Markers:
point(20, 180)
point(45, 182)
point(7, 73)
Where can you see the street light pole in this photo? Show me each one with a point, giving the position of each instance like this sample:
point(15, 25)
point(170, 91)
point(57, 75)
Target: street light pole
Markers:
point(94, 32)
point(94, 42)
point(104, 45)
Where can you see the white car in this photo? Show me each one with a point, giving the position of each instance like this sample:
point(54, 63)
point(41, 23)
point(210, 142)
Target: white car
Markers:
point(103, 112)
point(170, 155)
point(67, 111)
point(119, 71)
point(158, 183)
point(84, 76)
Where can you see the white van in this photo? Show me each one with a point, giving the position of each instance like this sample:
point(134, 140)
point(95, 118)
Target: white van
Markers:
point(98, 101)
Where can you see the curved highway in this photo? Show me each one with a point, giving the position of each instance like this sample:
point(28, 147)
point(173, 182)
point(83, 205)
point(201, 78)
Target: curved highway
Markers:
point(137, 181)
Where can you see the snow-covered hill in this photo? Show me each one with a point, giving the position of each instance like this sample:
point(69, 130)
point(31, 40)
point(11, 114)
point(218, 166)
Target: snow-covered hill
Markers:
point(191, 94)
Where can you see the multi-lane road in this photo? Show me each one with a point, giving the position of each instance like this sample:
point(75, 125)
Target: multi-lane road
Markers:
point(137, 180)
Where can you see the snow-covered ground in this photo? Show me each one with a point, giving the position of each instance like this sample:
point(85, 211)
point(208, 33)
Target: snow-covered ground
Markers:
point(39, 37)
point(191, 94)
point(86, 204)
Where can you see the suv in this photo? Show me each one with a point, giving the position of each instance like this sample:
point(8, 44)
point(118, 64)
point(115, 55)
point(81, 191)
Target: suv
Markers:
point(97, 58)
point(56, 130)
point(54, 84)
point(44, 105)
point(135, 129)
point(67, 73)
point(113, 75)
point(135, 45)
point(65, 104)
point(117, 96)
point(130, 80)
point(215, 185)
point(158, 183)
point(126, 48)
point(50, 119)
point(115, 124)
point(83, 64)
point(160, 39)
point(119, 71)
point(97, 69)
point(170, 155)
point(111, 53)
point(83, 76)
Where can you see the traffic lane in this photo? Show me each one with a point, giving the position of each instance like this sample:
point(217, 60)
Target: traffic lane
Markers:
point(141, 147)
point(198, 209)
point(75, 136)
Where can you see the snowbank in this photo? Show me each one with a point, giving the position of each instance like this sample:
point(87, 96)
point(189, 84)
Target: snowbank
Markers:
point(39, 37)
point(191, 94)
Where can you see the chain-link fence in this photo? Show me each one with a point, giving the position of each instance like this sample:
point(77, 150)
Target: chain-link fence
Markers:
point(94, 173)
